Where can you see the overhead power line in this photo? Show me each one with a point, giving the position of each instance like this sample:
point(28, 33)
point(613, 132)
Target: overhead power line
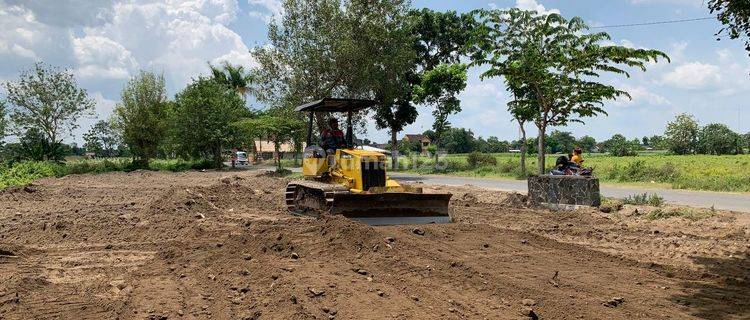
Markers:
point(653, 23)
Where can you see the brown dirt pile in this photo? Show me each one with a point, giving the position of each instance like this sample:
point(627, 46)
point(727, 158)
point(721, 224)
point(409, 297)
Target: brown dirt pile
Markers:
point(199, 245)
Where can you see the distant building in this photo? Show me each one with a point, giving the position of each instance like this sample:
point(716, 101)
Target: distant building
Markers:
point(424, 141)
point(266, 150)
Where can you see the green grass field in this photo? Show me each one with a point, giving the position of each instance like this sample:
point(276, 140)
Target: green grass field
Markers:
point(25, 172)
point(696, 172)
point(655, 169)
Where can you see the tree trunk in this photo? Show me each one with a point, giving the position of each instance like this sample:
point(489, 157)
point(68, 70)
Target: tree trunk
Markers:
point(540, 147)
point(254, 151)
point(437, 143)
point(394, 150)
point(277, 155)
point(523, 149)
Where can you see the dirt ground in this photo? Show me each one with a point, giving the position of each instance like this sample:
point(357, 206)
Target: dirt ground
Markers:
point(199, 245)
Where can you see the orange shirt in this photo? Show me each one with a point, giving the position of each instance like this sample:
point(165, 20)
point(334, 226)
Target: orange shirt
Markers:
point(577, 158)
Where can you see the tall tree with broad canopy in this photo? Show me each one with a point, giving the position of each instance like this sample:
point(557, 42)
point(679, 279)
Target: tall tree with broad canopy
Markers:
point(718, 139)
point(202, 117)
point(232, 76)
point(682, 134)
point(555, 63)
point(735, 15)
point(276, 126)
point(141, 116)
point(523, 111)
point(586, 143)
point(102, 138)
point(436, 38)
point(439, 87)
point(3, 122)
point(49, 100)
point(340, 48)
point(359, 49)
point(311, 55)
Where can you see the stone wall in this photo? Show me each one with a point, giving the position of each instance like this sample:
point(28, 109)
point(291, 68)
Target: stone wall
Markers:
point(565, 190)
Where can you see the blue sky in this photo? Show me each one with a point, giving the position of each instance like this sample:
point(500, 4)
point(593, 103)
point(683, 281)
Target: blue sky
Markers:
point(105, 42)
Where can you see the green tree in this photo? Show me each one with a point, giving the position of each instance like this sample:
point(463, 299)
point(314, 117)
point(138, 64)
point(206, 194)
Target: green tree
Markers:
point(735, 15)
point(495, 145)
point(385, 39)
point(560, 142)
point(619, 146)
point(278, 128)
point(682, 134)
point(657, 142)
point(718, 139)
point(34, 145)
point(586, 143)
point(439, 88)
point(202, 118)
point(102, 139)
point(747, 140)
point(233, 77)
point(314, 53)
point(141, 116)
point(49, 100)
point(3, 123)
point(554, 63)
point(458, 140)
point(522, 112)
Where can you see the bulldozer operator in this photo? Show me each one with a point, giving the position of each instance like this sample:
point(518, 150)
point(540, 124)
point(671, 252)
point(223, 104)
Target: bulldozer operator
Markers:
point(332, 138)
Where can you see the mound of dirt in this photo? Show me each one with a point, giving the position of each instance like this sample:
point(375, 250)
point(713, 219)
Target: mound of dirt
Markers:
point(197, 245)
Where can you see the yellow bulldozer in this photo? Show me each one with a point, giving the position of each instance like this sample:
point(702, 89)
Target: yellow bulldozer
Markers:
point(352, 182)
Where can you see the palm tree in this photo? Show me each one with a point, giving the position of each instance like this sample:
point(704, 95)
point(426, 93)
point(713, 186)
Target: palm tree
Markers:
point(233, 77)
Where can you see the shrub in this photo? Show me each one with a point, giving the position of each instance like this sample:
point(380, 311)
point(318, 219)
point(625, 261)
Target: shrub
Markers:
point(645, 199)
point(681, 212)
point(477, 159)
point(25, 172)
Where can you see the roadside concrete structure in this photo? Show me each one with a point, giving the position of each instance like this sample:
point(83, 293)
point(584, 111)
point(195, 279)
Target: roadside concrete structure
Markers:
point(558, 191)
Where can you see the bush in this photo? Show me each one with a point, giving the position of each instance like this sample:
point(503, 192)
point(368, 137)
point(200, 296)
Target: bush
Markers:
point(176, 165)
point(686, 213)
point(25, 172)
point(653, 199)
point(477, 159)
point(22, 173)
point(619, 146)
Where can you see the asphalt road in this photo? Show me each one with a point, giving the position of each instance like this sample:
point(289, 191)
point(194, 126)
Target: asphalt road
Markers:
point(701, 199)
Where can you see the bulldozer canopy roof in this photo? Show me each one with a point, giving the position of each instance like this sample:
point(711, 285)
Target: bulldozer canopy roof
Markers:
point(336, 105)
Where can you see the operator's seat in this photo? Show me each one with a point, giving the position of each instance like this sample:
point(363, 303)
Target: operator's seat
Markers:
point(314, 151)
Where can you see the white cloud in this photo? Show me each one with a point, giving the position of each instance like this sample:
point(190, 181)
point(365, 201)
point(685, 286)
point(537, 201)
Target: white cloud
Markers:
point(266, 10)
point(105, 42)
point(641, 96)
point(103, 106)
point(696, 3)
point(100, 57)
point(25, 40)
point(694, 76)
point(220, 11)
point(176, 37)
point(67, 13)
point(533, 5)
point(483, 102)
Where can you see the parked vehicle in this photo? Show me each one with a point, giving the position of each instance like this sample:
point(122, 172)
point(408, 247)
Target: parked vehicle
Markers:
point(241, 157)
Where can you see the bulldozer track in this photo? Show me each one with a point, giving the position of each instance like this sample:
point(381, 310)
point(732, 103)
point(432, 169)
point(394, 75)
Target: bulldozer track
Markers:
point(328, 191)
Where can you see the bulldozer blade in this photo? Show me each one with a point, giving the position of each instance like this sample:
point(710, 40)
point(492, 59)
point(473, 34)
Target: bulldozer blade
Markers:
point(393, 208)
